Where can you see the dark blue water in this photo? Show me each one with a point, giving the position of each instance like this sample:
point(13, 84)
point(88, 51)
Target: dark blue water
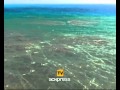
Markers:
point(105, 10)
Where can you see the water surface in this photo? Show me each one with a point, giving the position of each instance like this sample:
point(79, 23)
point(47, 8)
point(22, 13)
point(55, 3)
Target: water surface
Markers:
point(39, 39)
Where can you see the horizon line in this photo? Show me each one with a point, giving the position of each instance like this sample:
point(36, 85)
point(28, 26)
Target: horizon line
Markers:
point(55, 3)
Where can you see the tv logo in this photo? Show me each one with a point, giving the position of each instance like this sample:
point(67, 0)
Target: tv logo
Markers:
point(60, 73)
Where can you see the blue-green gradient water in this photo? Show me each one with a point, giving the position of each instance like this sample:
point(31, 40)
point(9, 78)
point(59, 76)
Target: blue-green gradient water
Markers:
point(40, 39)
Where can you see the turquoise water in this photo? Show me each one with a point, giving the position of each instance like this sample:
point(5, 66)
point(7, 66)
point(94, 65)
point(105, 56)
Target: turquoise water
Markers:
point(40, 39)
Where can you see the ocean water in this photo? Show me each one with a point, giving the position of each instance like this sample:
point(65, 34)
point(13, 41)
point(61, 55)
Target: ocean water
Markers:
point(40, 39)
